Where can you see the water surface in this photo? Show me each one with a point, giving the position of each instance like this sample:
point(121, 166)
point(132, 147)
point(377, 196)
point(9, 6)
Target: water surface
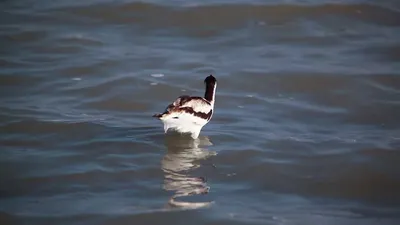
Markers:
point(306, 128)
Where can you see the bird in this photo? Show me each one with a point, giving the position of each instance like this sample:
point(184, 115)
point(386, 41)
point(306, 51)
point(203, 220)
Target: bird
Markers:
point(188, 114)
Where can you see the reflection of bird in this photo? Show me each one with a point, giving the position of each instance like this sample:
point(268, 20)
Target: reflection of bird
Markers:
point(188, 114)
point(181, 157)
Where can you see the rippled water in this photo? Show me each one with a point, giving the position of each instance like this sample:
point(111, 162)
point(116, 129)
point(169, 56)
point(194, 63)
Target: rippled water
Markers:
point(306, 128)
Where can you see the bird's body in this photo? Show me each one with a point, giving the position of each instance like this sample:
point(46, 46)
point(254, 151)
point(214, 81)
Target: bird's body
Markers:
point(188, 114)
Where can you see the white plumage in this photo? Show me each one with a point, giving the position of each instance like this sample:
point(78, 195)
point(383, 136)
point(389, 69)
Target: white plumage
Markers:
point(189, 114)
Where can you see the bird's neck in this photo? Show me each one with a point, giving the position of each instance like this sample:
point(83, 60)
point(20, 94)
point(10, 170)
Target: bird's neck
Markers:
point(209, 95)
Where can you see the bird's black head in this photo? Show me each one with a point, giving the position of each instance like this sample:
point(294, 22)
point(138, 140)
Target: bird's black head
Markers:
point(210, 80)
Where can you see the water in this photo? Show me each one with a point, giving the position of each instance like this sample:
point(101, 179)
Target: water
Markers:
point(306, 128)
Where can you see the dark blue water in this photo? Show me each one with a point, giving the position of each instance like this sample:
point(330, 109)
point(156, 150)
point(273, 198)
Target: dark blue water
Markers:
point(306, 127)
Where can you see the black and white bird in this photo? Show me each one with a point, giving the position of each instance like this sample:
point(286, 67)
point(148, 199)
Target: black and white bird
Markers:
point(188, 114)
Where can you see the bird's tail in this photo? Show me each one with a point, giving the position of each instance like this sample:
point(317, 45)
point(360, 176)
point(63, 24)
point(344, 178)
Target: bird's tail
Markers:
point(158, 115)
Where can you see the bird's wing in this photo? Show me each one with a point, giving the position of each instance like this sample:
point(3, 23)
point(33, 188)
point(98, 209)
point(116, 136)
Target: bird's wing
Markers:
point(188, 103)
point(198, 104)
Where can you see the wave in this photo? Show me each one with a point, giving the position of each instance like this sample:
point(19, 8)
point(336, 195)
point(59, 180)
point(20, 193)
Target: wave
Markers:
point(230, 14)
